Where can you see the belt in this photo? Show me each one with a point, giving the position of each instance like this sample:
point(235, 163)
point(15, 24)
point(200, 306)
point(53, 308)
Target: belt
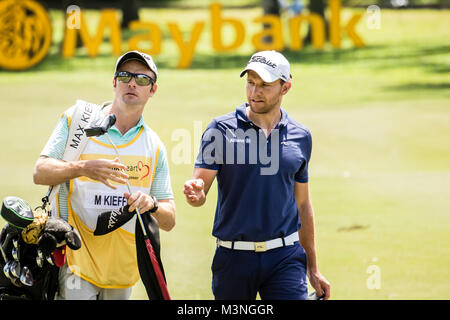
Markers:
point(260, 246)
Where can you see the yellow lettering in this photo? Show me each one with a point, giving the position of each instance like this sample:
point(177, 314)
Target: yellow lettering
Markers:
point(335, 26)
point(274, 31)
point(317, 27)
point(335, 23)
point(217, 23)
point(186, 48)
point(227, 34)
point(108, 19)
point(154, 36)
point(350, 29)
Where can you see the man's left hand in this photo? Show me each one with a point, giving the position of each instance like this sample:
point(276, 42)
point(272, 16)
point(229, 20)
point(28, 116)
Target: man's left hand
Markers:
point(320, 284)
point(139, 200)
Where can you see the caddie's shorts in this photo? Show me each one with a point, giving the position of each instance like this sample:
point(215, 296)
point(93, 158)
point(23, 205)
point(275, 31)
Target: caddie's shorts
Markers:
point(72, 287)
point(277, 274)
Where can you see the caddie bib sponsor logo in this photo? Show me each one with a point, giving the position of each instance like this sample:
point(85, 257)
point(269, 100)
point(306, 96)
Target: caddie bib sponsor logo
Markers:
point(26, 34)
point(138, 168)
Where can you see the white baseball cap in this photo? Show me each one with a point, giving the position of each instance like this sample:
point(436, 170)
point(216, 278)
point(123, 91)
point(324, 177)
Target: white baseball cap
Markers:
point(270, 66)
point(140, 56)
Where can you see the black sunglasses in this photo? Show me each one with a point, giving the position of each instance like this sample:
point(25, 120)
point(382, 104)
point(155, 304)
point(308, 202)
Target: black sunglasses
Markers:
point(140, 78)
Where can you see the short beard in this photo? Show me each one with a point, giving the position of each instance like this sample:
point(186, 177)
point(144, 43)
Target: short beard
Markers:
point(266, 108)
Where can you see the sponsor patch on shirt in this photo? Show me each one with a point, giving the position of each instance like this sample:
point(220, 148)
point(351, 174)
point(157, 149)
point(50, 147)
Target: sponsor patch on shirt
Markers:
point(138, 168)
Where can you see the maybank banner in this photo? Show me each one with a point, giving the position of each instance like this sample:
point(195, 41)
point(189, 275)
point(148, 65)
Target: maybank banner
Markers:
point(26, 33)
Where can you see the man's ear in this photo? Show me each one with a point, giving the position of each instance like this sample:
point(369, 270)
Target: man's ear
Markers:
point(114, 82)
point(285, 88)
point(153, 89)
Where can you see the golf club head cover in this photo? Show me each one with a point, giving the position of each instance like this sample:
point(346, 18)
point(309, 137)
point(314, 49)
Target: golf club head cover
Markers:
point(109, 221)
point(17, 212)
point(57, 232)
point(145, 266)
point(33, 231)
point(59, 256)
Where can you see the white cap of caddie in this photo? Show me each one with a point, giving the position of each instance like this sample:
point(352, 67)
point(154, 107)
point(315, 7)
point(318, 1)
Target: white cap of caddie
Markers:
point(270, 66)
point(140, 56)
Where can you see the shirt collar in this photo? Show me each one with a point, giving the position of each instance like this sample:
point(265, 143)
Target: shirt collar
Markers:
point(241, 114)
point(284, 118)
point(130, 132)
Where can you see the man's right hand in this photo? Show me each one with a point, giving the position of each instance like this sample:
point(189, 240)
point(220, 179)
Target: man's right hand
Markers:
point(104, 170)
point(194, 190)
point(51, 171)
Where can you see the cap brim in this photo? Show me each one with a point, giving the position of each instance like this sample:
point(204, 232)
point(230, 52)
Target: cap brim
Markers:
point(261, 71)
point(128, 56)
point(133, 56)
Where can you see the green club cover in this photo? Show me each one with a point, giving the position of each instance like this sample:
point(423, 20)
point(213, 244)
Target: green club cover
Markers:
point(17, 212)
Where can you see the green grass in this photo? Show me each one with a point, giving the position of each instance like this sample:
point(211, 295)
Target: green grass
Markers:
point(380, 120)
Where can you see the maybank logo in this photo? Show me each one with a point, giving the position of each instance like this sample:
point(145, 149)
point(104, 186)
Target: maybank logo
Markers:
point(150, 34)
point(26, 34)
point(25, 30)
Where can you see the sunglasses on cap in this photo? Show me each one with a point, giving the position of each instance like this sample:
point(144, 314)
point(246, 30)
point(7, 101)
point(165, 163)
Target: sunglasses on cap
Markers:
point(140, 78)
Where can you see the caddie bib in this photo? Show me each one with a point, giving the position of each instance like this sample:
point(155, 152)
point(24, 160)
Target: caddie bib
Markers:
point(109, 261)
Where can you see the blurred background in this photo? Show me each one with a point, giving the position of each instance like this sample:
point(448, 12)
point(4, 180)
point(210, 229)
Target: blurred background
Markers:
point(379, 115)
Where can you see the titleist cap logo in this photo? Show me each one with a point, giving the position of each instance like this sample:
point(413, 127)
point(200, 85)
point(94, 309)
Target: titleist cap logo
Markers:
point(262, 59)
point(145, 56)
point(269, 65)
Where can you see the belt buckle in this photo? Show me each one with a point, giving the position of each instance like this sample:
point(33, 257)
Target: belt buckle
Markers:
point(260, 246)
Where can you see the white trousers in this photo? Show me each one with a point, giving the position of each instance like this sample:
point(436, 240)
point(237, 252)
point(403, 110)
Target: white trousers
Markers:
point(72, 287)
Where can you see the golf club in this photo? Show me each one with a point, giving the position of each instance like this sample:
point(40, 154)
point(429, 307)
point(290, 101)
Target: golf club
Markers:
point(8, 262)
point(14, 269)
point(314, 296)
point(5, 258)
point(40, 258)
point(15, 254)
point(39, 262)
point(101, 128)
point(14, 280)
point(6, 268)
point(26, 277)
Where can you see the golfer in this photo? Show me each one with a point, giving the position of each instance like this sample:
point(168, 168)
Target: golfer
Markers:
point(106, 266)
point(264, 220)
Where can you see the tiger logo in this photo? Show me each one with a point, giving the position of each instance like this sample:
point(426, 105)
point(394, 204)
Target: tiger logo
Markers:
point(25, 34)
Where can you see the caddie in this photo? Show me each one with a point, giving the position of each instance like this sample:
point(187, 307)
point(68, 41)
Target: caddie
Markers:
point(92, 181)
point(264, 220)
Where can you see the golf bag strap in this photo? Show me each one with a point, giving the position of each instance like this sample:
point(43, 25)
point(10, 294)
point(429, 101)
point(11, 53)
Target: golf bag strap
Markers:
point(79, 116)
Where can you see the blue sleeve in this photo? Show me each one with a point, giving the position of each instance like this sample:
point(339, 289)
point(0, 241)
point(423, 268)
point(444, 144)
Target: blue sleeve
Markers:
point(56, 144)
point(306, 148)
point(210, 155)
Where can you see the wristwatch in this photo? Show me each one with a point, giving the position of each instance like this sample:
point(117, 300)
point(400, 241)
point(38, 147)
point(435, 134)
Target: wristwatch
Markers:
point(155, 205)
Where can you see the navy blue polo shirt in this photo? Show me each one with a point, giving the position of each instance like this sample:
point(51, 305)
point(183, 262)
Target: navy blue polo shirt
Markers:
point(255, 175)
